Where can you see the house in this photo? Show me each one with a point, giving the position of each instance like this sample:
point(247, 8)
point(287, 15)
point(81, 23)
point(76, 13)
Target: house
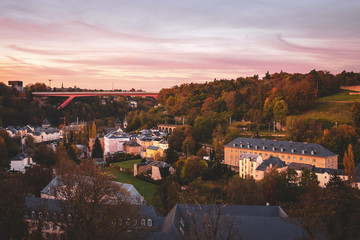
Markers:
point(287, 151)
point(154, 152)
point(156, 169)
point(84, 151)
point(113, 142)
point(324, 174)
point(235, 222)
point(50, 213)
point(163, 144)
point(267, 164)
point(247, 164)
point(20, 162)
point(132, 147)
point(50, 191)
point(117, 123)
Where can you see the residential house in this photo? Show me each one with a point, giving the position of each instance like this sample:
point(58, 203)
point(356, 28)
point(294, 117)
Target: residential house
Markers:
point(287, 151)
point(154, 152)
point(92, 142)
point(324, 174)
point(20, 162)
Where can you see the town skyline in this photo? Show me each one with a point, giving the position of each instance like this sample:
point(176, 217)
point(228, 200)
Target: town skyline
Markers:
point(154, 45)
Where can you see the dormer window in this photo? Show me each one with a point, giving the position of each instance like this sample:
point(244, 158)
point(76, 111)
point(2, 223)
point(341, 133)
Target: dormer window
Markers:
point(273, 148)
point(149, 222)
point(303, 151)
point(33, 214)
point(248, 146)
point(256, 147)
point(143, 222)
point(241, 145)
point(292, 150)
point(69, 217)
point(312, 152)
point(263, 147)
point(282, 149)
point(40, 215)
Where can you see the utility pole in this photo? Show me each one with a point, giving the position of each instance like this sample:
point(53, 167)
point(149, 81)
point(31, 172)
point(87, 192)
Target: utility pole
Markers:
point(50, 82)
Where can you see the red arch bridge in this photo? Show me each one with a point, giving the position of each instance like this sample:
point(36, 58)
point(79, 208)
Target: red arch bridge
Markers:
point(72, 95)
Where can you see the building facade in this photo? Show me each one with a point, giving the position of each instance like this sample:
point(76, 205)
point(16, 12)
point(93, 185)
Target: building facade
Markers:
point(287, 151)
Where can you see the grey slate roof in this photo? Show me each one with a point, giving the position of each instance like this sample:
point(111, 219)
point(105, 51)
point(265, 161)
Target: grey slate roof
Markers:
point(117, 121)
point(153, 148)
point(330, 171)
point(34, 203)
point(19, 157)
point(248, 222)
point(274, 161)
point(132, 144)
point(301, 166)
point(309, 149)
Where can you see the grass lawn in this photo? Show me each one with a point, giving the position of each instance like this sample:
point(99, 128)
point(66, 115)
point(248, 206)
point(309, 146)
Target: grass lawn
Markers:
point(342, 96)
point(337, 112)
point(128, 164)
point(146, 189)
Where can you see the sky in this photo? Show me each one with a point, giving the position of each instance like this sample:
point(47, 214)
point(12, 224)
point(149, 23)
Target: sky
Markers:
point(154, 44)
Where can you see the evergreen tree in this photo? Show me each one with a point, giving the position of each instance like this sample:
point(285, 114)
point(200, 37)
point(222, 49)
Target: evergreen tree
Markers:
point(97, 149)
point(93, 130)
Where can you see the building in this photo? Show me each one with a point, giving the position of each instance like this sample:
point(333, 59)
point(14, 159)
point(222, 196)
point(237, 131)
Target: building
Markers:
point(154, 152)
point(49, 192)
point(132, 147)
point(287, 151)
point(16, 84)
point(45, 123)
point(114, 141)
point(20, 162)
point(233, 222)
point(248, 163)
point(92, 142)
point(266, 165)
point(324, 174)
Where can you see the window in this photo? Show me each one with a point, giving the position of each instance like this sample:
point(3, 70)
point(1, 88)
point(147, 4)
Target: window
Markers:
point(294, 158)
point(231, 150)
point(300, 158)
point(307, 159)
point(255, 152)
point(231, 162)
point(282, 157)
point(69, 217)
point(40, 215)
point(143, 222)
point(149, 222)
point(314, 160)
point(288, 157)
point(235, 157)
point(266, 154)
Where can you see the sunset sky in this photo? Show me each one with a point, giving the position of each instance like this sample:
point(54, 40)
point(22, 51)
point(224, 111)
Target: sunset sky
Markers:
point(161, 43)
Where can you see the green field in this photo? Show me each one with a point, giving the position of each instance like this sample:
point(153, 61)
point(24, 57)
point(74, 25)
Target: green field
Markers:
point(146, 189)
point(334, 111)
point(127, 164)
point(342, 96)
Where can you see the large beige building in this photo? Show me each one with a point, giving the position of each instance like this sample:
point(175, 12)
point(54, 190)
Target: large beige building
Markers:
point(248, 163)
point(287, 151)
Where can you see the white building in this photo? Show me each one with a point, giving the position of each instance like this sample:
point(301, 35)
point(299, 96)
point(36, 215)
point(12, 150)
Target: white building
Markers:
point(248, 163)
point(20, 162)
point(114, 141)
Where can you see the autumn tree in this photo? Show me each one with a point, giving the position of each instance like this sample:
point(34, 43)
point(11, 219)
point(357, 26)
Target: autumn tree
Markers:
point(194, 167)
point(349, 164)
point(99, 207)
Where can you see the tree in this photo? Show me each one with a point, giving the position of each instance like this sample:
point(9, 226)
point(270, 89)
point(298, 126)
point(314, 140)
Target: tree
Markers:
point(93, 130)
point(99, 207)
point(97, 149)
point(308, 177)
point(349, 164)
point(4, 161)
point(171, 155)
point(193, 168)
point(244, 192)
point(188, 146)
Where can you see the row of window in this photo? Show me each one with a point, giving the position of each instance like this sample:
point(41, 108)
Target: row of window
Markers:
point(293, 150)
point(277, 155)
point(143, 222)
point(47, 216)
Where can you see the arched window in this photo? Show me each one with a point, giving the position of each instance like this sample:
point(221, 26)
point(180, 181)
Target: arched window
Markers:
point(149, 222)
point(143, 222)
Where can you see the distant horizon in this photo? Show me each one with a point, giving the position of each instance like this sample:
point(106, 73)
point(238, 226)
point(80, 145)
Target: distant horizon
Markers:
point(151, 45)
